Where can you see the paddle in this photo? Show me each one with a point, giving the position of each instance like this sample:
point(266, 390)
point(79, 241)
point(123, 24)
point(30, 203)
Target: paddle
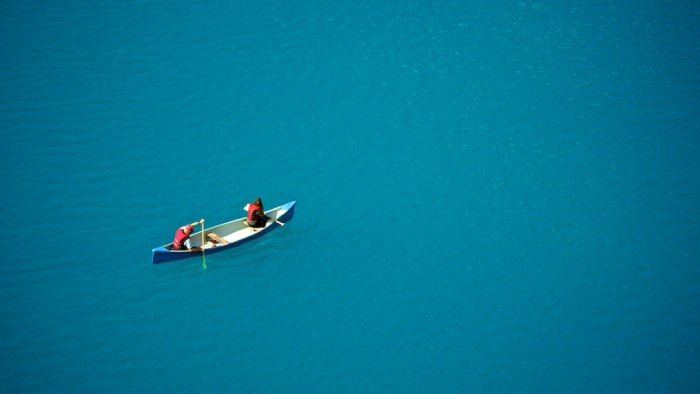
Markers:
point(245, 208)
point(204, 259)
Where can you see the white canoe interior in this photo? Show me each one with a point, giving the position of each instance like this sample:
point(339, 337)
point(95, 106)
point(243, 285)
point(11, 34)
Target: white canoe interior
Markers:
point(233, 231)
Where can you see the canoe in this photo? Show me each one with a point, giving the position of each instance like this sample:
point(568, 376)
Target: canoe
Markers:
point(234, 233)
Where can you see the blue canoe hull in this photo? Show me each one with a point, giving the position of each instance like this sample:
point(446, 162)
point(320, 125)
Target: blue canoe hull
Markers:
point(162, 254)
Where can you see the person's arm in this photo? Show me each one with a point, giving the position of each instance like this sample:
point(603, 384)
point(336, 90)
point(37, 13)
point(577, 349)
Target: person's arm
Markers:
point(259, 214)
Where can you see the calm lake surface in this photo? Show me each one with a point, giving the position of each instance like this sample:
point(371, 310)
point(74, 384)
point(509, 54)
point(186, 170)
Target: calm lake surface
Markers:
point(493, 196)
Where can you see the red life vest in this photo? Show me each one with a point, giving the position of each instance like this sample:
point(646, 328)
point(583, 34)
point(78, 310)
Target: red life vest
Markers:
point(180, 238)
point(251, 212)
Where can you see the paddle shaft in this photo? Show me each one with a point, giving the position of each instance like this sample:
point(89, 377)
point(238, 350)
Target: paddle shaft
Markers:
point(204, 259)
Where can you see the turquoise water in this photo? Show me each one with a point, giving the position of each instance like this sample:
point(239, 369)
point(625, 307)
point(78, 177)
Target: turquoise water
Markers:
point(492, 196)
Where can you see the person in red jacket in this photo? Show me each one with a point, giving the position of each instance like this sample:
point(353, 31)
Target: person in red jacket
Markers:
point(182, 237)
point(256, 214)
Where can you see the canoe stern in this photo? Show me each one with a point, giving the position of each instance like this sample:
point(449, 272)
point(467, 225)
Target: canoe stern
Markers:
point(162, 255)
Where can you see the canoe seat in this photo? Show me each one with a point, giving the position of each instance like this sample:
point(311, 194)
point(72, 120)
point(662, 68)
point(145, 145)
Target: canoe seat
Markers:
point(216, 238)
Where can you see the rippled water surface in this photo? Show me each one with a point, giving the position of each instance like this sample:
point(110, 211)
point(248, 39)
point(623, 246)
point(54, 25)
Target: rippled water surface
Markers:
point(492, 196)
